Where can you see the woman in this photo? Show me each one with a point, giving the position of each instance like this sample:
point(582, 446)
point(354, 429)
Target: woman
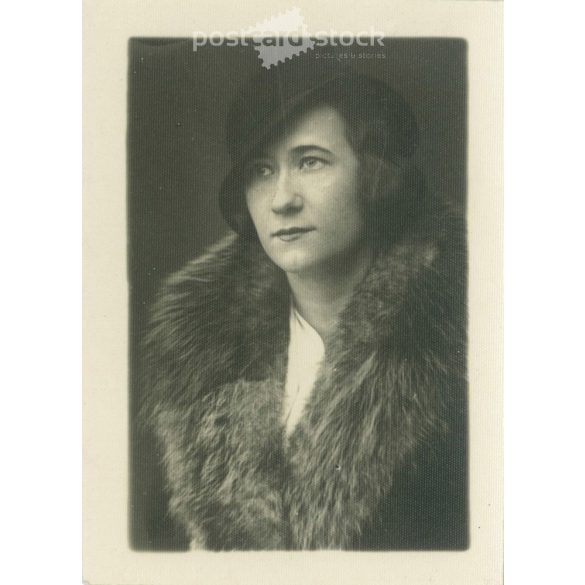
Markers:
point(306, 376)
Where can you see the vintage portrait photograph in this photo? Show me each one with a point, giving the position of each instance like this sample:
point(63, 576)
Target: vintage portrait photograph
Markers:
point(272, 351)
point(297, 261)
point(293, 295)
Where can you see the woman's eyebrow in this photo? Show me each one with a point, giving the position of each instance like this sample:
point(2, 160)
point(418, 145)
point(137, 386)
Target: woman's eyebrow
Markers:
point(302, 148)
point(262, 155)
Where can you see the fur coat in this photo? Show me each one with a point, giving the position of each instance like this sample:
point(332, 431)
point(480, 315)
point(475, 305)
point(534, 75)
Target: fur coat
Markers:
point(378, 459)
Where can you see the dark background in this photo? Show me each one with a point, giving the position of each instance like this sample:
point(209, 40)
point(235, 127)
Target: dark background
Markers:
point(177, 102)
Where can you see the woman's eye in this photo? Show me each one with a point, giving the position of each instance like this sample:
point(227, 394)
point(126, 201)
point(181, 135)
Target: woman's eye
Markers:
point(311, 163)
point(259, 170)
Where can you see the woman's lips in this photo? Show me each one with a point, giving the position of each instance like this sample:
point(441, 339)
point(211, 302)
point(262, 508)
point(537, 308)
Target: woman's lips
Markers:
point(291, 234)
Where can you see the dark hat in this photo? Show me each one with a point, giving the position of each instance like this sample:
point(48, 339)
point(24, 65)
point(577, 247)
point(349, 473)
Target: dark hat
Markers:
point(263, 106)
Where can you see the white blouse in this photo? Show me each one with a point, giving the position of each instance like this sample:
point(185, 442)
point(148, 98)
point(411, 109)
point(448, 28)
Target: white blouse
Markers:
point(305, 353)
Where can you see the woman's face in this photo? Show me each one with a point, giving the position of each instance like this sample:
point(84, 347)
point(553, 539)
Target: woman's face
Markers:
point(302, 195)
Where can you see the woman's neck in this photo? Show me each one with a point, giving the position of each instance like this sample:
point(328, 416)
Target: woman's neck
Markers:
point(320, 295)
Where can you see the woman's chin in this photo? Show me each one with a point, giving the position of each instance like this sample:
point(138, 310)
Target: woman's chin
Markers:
point(294, 261)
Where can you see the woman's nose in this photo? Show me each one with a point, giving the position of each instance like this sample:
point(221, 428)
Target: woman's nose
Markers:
point(286, 195)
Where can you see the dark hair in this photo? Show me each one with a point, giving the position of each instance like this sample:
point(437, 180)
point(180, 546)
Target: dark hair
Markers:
point(380, 128)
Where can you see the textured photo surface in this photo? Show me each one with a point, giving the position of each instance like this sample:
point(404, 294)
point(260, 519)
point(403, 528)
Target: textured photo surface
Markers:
point(371, 451)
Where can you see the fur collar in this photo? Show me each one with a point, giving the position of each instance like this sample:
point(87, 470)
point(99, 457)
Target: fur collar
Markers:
point(216, 361)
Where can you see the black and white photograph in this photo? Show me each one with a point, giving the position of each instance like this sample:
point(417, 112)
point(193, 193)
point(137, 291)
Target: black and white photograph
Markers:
point(298, 276)
point(293, 296)
point(272, 351)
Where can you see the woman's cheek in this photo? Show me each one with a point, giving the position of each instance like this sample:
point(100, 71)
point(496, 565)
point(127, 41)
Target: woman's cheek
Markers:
point(253, 203)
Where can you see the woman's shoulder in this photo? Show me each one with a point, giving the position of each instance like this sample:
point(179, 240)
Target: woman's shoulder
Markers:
point(204, 269)
point(209, 297)
point(228, 265)
point(204, 317)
